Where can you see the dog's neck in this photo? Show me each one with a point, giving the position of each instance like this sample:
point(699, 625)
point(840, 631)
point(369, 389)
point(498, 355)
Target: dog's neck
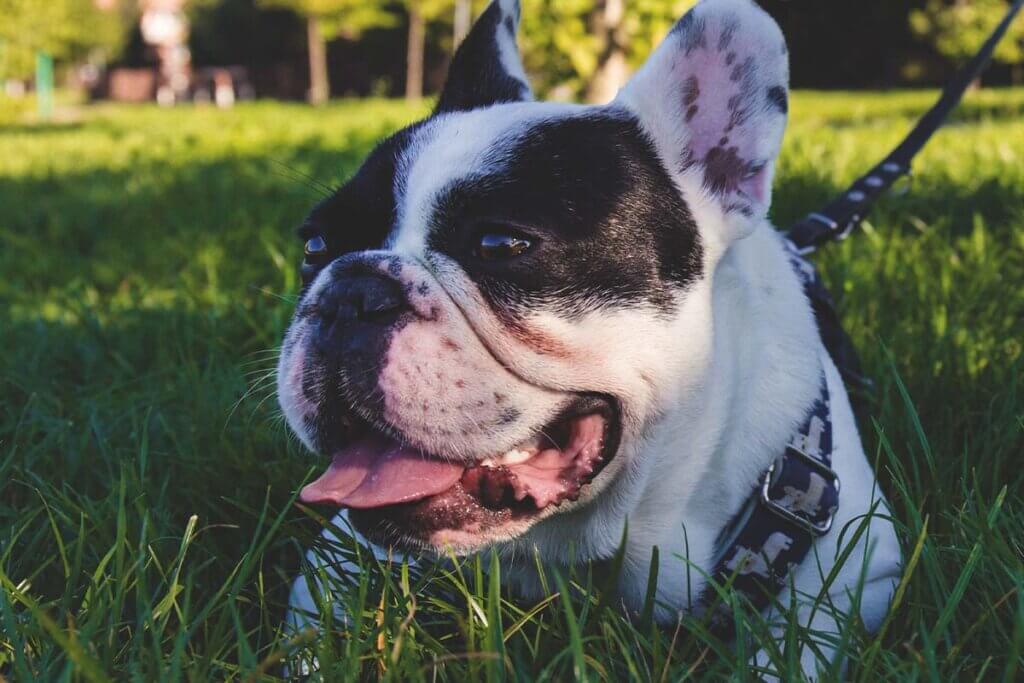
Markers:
point(762, 372)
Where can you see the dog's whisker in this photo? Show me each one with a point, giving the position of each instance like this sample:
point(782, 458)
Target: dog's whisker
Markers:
point(260, 374)
point(261, 403)
point(268, 361)
point(287, 298)
point(257, 388)
point(269, 379)
point(257, 371)
point(273, 350)
point(291, 173)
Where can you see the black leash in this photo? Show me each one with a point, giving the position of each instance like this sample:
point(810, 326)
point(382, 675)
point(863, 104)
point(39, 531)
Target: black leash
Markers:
point(840, 217)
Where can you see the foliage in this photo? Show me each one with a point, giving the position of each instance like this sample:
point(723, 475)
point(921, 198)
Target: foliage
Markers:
point(560, 50)
point(149, 269)
point(66, 29)
point(432, 10)
point(341, 18)
point(958, 28)
point(242, 32)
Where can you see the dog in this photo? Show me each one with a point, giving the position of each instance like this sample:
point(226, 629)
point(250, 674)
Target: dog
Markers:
point(535, 326)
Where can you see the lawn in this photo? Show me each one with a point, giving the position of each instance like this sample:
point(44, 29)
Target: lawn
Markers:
point(147, 521)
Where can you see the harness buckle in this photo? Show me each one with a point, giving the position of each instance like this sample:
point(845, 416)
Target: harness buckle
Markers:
point(817, 529)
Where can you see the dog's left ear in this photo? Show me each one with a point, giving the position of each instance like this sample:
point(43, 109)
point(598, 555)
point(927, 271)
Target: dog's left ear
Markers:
point(714, 98)
point(486, 68)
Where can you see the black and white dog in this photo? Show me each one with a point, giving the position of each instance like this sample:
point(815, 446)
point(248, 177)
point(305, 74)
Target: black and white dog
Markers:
point(525, 325)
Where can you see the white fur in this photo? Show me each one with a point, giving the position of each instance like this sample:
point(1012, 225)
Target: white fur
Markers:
point(710, 397)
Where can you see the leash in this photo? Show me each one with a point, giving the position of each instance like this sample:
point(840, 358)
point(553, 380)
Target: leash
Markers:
point(840, 217)
point(843, 214)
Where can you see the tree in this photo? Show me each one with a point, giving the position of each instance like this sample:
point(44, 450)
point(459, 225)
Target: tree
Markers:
point(463, 16)
point(957, 29)
point(327, 19)
point(420, 13)
point(579, 47)
point(64, 29)
point(607, 25)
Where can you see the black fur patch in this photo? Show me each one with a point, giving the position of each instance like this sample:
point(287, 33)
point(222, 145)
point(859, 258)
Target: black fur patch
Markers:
point(691, 31)
point(728, 31)
point(691, 91)
point(723, 170)
point(476, 77)
point(607, 223)
point(361, 213)
point(778, 98)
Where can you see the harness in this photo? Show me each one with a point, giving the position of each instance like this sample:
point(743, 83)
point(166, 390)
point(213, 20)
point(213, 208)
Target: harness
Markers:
point(797, 497)
point(794, 504)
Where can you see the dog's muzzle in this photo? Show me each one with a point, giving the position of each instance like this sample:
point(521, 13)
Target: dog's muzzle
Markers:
point(428, 431)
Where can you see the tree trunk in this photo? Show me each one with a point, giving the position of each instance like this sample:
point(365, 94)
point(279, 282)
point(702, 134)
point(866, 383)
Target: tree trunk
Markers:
point(414, 54)
point(461, 23)
point(606, 24)
point(319, 84)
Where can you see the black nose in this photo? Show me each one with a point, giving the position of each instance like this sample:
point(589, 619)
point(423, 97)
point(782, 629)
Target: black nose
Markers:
point(361, 298)
point(356, 314)
point(352, 320)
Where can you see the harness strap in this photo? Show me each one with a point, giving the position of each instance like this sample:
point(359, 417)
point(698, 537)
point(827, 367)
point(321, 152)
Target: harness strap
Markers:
point(793, 504)
point(841, 216)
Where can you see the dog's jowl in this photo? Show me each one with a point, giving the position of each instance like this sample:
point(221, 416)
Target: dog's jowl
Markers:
point(540, 322)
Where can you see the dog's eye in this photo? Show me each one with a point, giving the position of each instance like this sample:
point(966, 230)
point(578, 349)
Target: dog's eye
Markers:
point(315, 246)
point(498, 247)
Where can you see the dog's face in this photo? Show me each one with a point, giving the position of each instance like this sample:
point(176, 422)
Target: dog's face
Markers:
point(506, 297)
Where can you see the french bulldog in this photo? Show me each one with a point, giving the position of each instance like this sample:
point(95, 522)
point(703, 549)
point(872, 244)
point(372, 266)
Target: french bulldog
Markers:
point(533, 326)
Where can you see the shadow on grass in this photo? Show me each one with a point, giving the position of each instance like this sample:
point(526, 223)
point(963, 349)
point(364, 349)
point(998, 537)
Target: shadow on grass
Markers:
point(119, 429)
point(154, 224)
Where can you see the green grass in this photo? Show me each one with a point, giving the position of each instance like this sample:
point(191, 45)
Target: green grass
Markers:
point(147, 524)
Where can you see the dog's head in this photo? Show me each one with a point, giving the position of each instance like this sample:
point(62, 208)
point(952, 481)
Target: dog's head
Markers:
point(505, 298)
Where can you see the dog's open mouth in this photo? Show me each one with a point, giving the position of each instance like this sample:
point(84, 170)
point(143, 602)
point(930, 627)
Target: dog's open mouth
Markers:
point(418, 495)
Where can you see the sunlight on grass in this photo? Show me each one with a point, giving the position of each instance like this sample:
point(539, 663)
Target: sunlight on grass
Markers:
point(147, 520)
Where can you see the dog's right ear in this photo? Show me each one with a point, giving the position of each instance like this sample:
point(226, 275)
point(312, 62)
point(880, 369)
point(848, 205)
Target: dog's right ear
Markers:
point(713, 98)
point(486, 68)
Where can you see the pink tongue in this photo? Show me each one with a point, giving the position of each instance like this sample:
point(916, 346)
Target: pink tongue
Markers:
point(378, 471)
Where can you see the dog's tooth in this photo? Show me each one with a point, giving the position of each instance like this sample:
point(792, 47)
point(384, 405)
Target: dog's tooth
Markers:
point(516, 456)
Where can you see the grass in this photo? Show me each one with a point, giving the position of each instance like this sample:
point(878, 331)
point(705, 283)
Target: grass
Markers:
point(147, 521)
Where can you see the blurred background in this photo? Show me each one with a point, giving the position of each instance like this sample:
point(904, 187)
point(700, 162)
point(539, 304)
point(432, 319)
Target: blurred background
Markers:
point(223, 51)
